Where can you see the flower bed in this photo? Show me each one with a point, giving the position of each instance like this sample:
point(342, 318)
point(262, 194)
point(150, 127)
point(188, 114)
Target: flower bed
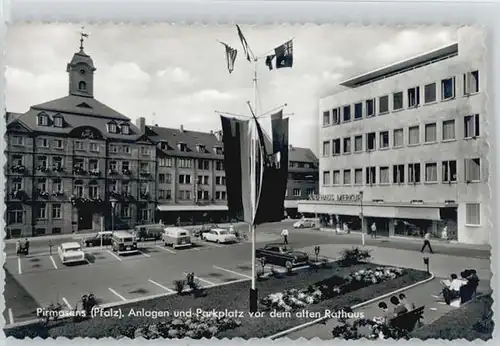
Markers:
point(231, 297)
point(293, 299)
point(195, 327)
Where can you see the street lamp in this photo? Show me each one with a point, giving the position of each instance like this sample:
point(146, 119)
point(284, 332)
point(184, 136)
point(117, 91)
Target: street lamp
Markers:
point(113, 201)
point(362, 219)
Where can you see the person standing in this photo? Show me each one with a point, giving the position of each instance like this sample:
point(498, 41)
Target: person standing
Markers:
point(18, 247)
point(374, 230)
point(27, 245)
point(284, 234)
point(427, 242)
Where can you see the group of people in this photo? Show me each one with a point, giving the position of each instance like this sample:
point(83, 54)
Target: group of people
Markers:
point(462, 288)
point(400, 305)
point(22, 248)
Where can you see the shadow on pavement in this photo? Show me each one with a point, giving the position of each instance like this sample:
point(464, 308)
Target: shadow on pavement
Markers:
point(22, 303)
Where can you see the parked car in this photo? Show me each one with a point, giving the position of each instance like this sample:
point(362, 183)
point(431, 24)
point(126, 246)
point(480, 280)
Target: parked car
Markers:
point(200, 232)
point(304, 223)
point(124, 242)
point(95, 240)
point(146, 232)
point(176, 237)
point(220, 235)
point(282, 255)
point(71, 253)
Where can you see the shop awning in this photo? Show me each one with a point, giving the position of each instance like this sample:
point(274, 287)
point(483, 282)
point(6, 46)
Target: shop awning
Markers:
point(389, 210)
point(209, 207)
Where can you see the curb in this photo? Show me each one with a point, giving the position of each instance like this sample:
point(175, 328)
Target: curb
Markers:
point(120, 303)
point(357, 306)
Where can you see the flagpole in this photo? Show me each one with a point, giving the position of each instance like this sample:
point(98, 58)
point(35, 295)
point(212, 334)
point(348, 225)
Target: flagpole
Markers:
point(253, 290)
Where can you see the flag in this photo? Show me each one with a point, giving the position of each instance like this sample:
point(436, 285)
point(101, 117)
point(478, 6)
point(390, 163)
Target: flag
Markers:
point(244, 43)
point(236, 141)
point(231, 54)
point(274, 165)
point(284, 55)
point(269, 61)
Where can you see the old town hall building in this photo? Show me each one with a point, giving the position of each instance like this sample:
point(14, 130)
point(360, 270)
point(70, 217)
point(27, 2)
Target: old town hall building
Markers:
point(74, 162)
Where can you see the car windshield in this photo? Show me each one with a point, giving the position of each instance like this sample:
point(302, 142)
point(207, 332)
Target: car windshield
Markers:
point(128, 239)
point(223, 232)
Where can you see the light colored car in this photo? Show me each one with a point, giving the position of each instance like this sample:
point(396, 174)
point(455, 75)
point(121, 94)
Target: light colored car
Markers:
point(304, 223)
point(219, 235)
point(71, 253)
point(176, 237)
point(124, 242)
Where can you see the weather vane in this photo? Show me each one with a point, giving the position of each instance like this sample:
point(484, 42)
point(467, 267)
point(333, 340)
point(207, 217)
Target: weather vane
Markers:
point(82, 35)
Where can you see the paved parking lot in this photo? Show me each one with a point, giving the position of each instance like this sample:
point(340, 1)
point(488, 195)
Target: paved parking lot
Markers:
point(114, 278)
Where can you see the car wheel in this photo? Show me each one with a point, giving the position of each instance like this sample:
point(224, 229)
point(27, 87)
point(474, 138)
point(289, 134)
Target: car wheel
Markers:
point(217, 241)
point(288, 264)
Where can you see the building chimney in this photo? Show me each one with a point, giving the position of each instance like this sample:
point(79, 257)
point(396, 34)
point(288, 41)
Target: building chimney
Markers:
point(182, 128)
point(141, 124)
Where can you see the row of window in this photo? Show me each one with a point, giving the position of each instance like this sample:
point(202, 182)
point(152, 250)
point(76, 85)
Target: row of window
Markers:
point(186, 194)
point(429, 93)
point(200, 148)
point(166, 178)
point(414, 137)
point(298, 192)
point(202, 164)
point(43, 142)
point(410, 173)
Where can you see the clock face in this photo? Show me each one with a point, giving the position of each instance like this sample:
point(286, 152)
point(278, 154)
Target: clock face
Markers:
point(82, 71)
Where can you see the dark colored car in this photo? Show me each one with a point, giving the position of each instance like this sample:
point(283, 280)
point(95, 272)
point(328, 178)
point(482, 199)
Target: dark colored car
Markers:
point(198, 232)
point(95, 240)
point(148, 232)
point(282, 255)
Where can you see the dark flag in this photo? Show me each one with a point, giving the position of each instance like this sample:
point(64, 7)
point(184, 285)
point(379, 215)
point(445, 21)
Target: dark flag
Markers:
point(269, 61)
point(244, 43)
point(230, 57)
point(236, 141)
point(274, 153)
point(284, 55)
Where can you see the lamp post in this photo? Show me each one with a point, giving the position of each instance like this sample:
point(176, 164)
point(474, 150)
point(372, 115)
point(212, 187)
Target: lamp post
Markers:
point(426, 262)
point(361, 216)
point(113, 201)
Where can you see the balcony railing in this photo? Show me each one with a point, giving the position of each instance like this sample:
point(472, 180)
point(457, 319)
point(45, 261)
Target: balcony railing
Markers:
point(57, 193)
point(79, 170)
point(18, 169)
point(144, 173)
point(58, 168)
point(145, 195)
point(43, 194)
point(112, 171)
point(126, 172)
point(95, 172)
point(42, 168)
point(20, 195)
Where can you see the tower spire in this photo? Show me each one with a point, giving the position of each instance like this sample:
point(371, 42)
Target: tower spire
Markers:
point(82, 35)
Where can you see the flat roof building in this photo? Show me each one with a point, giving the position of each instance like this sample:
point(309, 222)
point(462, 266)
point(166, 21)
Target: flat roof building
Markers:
point(405, 148)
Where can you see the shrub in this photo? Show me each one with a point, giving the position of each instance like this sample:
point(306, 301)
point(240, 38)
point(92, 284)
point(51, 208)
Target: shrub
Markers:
point(353, 330)
point(354, 256)
point(179, 286)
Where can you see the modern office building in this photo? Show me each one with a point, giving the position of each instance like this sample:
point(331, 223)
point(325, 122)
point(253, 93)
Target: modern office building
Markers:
point(191, 178)
point(303, 178)
point(74, 163)
point(406, 146)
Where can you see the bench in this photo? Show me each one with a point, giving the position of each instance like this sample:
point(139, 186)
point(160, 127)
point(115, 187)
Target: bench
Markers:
point(408, 320)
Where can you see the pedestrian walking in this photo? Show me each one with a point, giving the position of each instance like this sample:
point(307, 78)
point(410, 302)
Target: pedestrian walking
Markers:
point(284, 234)
point(18, 247)
point(50, 247)
point(346, 228)
point(27, 245)
point(427, 242)
point(374, 230)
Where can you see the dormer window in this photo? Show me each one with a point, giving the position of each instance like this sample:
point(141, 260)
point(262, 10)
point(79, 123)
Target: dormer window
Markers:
point(58, 121)
point(125, 129)
point(112, 127)
point(181, 146)
point(164, 145)
point(200, 148)
point(218, 150)
point(82, 86)
point(43, 119)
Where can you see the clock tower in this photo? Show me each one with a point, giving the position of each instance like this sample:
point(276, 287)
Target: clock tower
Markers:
point(81, 73)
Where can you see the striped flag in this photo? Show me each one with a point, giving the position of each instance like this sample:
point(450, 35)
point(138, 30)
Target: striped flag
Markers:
point(236, 141)
point(244, 43)
point(274, 165)
point(231, 54)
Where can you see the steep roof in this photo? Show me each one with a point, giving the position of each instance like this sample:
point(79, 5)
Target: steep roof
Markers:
point(82, 58)
point(301, 155)
point(190, 138)
point(81, 105)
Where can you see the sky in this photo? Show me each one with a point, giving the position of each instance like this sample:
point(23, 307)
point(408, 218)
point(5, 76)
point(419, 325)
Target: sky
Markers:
point(177, 75)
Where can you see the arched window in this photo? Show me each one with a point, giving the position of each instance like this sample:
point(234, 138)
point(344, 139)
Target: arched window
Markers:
point(82, 85)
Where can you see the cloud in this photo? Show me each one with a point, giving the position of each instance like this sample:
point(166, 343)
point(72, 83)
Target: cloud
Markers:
point(175, 75)
point(408, 43)
point(127, 79)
